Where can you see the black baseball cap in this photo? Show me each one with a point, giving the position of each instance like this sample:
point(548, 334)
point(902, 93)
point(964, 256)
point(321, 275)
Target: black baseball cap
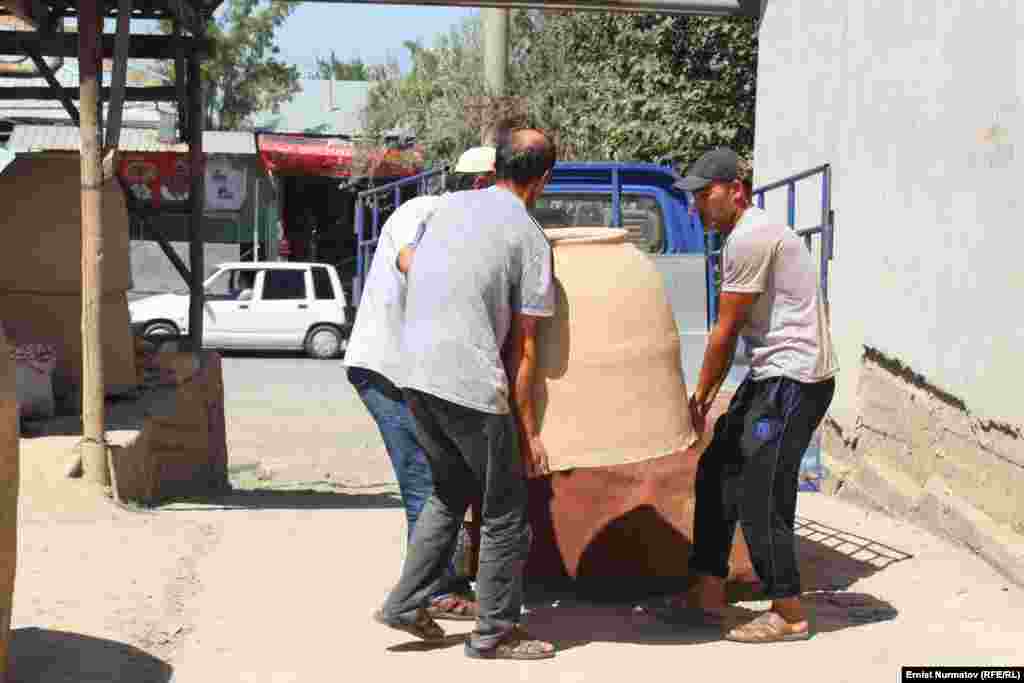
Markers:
point(720, 164)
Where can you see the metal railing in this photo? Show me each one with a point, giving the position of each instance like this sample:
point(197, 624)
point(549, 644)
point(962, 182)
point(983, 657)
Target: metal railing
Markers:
point(375, 201)
point(713, 240)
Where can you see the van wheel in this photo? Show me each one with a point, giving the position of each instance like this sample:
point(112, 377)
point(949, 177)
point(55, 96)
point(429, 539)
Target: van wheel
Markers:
point(161, 329)
point(324, 342)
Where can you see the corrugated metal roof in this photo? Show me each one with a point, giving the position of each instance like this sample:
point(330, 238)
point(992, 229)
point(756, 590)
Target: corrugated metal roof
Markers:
point(27, 139)
point(320, 108)
point(139, 114)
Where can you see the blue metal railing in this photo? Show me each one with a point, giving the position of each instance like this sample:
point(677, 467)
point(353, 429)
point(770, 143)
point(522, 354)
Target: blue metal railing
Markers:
point(371, 200)
point(713, 240)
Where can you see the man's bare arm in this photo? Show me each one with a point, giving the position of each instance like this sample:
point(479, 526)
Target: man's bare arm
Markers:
point(733, 310)
point(404, 260)
point(520, 356)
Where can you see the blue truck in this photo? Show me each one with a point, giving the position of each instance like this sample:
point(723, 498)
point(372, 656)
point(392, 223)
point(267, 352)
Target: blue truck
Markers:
point(638, 197)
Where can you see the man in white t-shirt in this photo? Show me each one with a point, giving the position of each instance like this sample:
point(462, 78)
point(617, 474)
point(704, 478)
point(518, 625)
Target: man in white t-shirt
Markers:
point(376, 367)
point(480, 280)
point(749, 473)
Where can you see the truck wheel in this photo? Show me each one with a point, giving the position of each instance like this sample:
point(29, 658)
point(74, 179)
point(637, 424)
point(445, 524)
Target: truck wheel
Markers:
point(161, 329)
point(324, 342)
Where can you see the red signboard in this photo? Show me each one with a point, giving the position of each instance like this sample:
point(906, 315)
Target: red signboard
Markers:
point(157, 177)
point(334, 157)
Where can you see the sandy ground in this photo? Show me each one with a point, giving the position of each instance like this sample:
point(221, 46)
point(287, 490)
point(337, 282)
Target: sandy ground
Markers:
point(277, 586)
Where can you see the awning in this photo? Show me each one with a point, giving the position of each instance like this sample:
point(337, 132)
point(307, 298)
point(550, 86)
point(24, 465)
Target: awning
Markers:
point(334, 157)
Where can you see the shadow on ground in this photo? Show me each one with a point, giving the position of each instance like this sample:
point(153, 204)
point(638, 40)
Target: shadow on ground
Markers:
point(630, 607)
point(45, 656)
point(294, 497)
point(568, 623)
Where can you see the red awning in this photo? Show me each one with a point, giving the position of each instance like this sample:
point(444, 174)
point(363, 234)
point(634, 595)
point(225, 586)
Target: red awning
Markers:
point(334, 157)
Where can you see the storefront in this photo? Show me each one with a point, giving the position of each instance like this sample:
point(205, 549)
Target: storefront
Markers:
point(319, 178)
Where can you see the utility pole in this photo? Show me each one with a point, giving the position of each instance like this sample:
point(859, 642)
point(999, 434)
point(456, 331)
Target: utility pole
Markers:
point(495, 25)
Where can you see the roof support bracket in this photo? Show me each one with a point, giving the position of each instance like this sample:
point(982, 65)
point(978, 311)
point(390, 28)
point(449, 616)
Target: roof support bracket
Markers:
point(153, 229)
point(55, 86)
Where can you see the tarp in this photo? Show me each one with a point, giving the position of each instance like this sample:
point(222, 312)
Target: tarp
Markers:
point(334, 157)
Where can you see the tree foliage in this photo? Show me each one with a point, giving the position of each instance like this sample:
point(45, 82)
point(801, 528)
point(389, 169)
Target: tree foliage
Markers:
point(429, 99)
point(334, 69)
point(610, 86)
point(245, 74)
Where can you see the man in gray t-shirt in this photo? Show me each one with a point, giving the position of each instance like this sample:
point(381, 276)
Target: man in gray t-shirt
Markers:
point(748, 473)
point(479, 281)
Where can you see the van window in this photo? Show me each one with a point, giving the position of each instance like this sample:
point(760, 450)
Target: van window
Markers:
point(284, 284)
point(322, 287)
point(232, 284)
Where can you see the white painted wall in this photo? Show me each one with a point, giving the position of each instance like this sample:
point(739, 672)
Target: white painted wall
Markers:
point(918, 107)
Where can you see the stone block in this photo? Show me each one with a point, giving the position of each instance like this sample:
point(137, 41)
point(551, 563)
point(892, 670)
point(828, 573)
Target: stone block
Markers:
point(132, 466)
point(186, 434)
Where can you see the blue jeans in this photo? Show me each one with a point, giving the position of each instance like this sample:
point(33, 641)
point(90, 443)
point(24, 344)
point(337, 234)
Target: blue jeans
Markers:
point(385, 404)
point(412, 470)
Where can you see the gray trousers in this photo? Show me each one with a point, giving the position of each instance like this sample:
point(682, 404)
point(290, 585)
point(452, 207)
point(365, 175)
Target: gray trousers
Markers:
point(472, 455)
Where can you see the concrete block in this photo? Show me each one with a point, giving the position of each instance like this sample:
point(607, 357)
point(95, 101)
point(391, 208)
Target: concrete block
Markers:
point(883, 400)
point(132, 466)
point(942, 511)
point(187, 433)
point(887, 487)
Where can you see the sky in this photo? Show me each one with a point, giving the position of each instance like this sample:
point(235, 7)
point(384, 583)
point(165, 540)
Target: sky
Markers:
point(370, 32)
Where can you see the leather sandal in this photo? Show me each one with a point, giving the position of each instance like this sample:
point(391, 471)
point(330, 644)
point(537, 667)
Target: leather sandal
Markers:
point(767, 628)
point(421, 626)
point(454, 608)
point(517, 644)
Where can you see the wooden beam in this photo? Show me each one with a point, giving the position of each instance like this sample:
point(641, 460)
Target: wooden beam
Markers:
point(119, 76)
point(187, 16)
point(143, 46)
point(180, 82)
point(142, 214)
point(55, 86)
point(197, 198)
point(165, 245)
point(94, 445)
point(161, 93)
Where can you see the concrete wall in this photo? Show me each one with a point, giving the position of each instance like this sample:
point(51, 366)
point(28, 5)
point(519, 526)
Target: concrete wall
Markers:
point(917, 107)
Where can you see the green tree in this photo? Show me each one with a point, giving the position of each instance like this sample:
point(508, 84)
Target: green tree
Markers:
point(430, 98)
point(610, 86)
point(637, 86)
point(245, 74)
point(333, 69)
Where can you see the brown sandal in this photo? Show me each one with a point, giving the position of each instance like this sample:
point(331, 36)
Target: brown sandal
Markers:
point(454, 608)
point(516, 645)
point(767, 628)
point(422, 626)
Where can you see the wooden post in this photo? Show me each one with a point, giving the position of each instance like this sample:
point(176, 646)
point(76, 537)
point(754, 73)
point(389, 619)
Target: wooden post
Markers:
point(197, 198)
point(93, 446)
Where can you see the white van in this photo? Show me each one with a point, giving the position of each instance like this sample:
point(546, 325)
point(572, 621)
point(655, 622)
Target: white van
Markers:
point(258, 306)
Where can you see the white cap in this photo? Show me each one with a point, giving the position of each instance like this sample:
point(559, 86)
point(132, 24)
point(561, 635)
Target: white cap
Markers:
point(476, 160)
